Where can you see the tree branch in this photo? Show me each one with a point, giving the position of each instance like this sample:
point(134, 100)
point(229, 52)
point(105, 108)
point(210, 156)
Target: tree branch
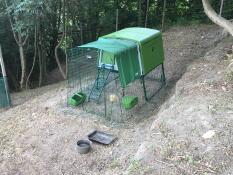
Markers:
point(210, 12)
point(12, 27)
point(25, 40)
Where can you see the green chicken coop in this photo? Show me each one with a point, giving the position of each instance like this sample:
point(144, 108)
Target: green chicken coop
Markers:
point(117, 73)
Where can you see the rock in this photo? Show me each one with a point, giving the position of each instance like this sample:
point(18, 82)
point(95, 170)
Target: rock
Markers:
point(209, 134)
point(224, 88)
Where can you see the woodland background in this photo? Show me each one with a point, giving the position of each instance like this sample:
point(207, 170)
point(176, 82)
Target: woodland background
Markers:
point(35, 35)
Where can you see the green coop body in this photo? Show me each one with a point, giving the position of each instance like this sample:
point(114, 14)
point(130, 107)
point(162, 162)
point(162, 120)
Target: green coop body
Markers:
point(133, 52)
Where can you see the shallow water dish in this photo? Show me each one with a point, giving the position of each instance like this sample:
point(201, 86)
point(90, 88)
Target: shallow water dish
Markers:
point(101, 137)
point(84, 146)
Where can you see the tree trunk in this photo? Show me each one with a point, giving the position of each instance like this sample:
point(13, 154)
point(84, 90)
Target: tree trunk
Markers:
point(40, 60)
point(221, 6)
point(117, 19)
point(40, 68)
point(64, 75)
point(20, 42)
point(147, 11)
point(23, 63)
point(139, 12)
point(164, 13)
point(57, 59)
point(34, 57)
point(81, 32)
point(226, 24)
point(44, 62)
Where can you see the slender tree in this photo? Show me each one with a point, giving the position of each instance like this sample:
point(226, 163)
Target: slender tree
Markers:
point(164, 13)
point(20, 35)
point(147, 11)
point(34, 57)
point(64, 75)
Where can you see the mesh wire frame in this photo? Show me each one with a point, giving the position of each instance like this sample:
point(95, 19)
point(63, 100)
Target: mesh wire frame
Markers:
point(152, 77)
point(82, 73)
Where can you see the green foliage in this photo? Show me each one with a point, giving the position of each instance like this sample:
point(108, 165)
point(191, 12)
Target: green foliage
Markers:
point(22, 14)
point(86, 20)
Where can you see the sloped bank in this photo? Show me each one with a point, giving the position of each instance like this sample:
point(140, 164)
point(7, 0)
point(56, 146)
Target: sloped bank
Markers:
point(192, 133)
point(36, 137)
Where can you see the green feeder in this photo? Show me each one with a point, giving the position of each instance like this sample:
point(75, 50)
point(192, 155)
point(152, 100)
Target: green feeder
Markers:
point(77, 99)
point(129, 102)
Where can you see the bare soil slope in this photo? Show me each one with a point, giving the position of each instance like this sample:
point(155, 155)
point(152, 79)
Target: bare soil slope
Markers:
point(192, 133)
point(36, 137)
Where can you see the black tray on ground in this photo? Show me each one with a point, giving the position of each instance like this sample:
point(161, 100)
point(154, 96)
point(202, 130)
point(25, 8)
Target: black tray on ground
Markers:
point(101, 137)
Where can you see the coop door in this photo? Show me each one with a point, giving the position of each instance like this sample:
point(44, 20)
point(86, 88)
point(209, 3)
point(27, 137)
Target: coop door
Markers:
point(108, 60)
point(129, 67)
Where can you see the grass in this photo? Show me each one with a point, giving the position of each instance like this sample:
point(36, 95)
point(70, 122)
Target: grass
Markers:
point(134, 167)
point(114, 164)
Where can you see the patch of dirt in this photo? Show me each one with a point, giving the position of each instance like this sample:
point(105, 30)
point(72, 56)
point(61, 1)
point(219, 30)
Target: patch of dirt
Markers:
point(55, 75)
point(177, 142)
point(36, 137)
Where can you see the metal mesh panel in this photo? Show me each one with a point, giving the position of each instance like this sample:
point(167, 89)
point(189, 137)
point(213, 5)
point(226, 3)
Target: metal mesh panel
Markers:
point(154, 81)
point(82, 70)
point(103, 90)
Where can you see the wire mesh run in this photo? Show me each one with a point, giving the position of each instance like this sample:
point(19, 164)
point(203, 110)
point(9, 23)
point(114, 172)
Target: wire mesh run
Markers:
point(153, 82)
point(104, 94)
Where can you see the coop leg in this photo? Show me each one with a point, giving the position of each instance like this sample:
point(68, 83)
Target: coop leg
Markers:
point(144, 88)
point(105, 105)
point(123, 92)
point(163, 75)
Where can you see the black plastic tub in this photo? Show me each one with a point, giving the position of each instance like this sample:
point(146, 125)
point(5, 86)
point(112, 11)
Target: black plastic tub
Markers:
point(84, 146)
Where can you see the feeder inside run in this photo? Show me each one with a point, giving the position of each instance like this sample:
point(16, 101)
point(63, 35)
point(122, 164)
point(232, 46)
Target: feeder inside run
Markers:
point(77, 99)
point(129, 102)
point(118, 73)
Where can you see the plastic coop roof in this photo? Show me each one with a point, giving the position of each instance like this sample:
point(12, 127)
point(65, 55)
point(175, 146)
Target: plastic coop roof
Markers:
point(123, 40)
point(136, 34)
point(125, 46)
point(114, 46)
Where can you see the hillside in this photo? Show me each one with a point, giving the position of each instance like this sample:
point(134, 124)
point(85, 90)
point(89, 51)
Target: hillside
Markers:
point(37, 137)
point(192, 133)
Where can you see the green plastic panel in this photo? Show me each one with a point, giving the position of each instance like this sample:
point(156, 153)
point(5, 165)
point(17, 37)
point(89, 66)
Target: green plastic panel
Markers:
point(111, 45)
point(77, 99)
point(152, 53)
point(122, 46)
point(125, 54)
point(129, 102)
point(150, 43)
point(108, 58)
point(3, 95)
point(129, 69)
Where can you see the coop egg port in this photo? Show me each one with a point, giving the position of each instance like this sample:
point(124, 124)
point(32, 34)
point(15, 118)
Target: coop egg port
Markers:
point(115, 75)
